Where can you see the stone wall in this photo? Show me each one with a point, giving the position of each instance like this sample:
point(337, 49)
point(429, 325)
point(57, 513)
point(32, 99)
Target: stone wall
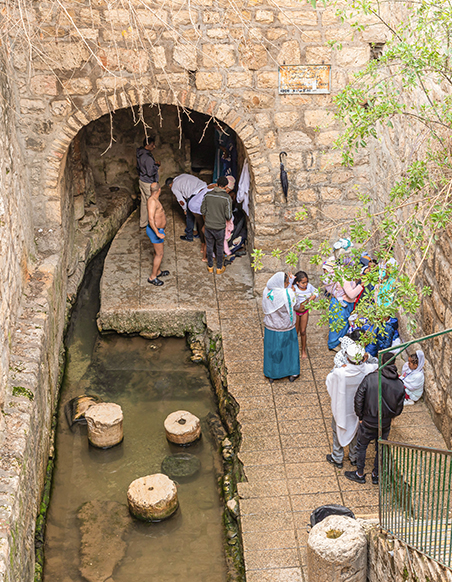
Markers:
point(395, 149)
point(215, 57)
point(42, 269)
point(16, 227)
point(389, 559)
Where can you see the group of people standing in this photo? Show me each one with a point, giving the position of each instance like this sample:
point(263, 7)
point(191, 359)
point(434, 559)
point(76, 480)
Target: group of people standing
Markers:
point(353, 382)
point(208, 207)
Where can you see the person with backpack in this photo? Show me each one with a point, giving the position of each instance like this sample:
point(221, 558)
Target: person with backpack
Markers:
point(366, 409)
point(216, 209)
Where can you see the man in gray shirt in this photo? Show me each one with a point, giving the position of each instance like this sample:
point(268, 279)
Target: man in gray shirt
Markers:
point(216, 209)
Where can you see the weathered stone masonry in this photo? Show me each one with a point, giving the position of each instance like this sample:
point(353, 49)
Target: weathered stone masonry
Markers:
point(207, 57)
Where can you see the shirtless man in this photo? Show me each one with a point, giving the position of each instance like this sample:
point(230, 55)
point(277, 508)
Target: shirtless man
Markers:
point(156, 233)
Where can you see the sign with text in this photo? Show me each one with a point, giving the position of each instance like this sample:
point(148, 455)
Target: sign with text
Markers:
point(313, 79)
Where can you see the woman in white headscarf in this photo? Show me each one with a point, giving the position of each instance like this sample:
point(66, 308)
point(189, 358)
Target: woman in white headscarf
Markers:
point(281, 351)
point(413, 377)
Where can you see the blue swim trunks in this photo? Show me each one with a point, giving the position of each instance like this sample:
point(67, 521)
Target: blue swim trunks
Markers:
point(153, 237)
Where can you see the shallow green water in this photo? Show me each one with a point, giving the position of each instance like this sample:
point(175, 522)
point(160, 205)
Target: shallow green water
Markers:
point(148, 379)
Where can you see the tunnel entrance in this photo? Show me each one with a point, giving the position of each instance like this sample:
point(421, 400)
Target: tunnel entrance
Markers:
point(186, 142)
point(101, 169)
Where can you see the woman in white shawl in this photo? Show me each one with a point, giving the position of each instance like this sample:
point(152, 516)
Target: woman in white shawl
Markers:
point(413, 377)
point(281, 351)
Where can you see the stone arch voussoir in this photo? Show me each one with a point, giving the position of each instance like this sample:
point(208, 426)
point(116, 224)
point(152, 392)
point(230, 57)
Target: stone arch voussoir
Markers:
point(241, 121)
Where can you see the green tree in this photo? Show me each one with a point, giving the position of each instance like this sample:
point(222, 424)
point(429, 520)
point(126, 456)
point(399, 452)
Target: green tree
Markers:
point(407, 84)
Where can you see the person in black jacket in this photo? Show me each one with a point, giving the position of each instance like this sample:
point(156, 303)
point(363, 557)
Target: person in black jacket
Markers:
point(366, 409)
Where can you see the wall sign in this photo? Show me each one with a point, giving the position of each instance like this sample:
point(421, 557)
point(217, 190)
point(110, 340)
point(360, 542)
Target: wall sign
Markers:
point(313, 79)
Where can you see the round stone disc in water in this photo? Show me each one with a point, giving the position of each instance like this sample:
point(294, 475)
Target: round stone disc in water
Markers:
point(181, 465)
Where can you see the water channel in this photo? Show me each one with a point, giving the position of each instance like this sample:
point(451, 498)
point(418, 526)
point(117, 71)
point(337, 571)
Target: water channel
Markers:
point(90, 535)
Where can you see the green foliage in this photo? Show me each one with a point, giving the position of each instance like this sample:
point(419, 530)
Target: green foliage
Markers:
point(408, 87)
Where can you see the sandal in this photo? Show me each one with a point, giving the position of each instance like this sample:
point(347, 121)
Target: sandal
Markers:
point(163, 274)
point(155, 282)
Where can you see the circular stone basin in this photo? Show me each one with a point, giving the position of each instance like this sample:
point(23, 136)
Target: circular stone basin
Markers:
point(152, 498)
point(182, 427)
point(181, 465)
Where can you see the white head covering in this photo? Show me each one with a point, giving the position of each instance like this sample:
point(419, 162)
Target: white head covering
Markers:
point(276, 295)
point(355, 353)
point(421, 360)
point(413, 380)
point(231, 182)
point(342, 384)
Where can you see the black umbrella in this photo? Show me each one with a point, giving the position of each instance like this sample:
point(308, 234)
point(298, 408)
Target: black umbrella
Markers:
point(283, 175)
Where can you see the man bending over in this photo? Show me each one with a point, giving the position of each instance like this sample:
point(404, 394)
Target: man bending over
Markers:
point(156, 233)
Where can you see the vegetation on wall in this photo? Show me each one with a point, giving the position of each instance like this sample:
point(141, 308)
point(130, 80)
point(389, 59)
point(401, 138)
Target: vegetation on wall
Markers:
point(407, 86)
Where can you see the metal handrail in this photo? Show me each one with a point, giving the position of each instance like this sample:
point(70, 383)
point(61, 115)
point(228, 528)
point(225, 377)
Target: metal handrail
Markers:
point(415, 485)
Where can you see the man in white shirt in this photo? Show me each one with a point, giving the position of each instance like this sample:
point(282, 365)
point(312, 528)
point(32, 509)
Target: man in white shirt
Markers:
point(184, 187)
point(342, 384)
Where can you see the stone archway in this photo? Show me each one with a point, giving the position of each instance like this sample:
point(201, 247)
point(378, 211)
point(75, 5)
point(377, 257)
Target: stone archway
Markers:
point(242, 122)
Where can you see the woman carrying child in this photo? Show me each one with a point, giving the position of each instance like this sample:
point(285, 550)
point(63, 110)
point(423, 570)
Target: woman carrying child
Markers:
point(304, 292)
point(413, 377)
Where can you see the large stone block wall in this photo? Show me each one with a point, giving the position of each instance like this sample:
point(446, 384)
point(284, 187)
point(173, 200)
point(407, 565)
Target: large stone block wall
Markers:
point(212, 56)
point(36, 277)
point(390, 155)
point(16, 227)
point(389, 559)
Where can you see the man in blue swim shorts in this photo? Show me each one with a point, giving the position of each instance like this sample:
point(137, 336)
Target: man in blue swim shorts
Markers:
point(156, 233)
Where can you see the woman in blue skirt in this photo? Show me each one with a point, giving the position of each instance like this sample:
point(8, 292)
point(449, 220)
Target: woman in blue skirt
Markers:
point(281, 351)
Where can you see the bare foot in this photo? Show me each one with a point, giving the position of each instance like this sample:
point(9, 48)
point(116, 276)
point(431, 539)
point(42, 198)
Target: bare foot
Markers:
point(204, 260)
point(304, 355)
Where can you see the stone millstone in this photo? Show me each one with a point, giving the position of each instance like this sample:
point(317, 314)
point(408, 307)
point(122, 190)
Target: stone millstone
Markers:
point(105, 424)
point(181, 465)
point(103, 525)
point(182, 427)
point(336, 545)
point(152, 498)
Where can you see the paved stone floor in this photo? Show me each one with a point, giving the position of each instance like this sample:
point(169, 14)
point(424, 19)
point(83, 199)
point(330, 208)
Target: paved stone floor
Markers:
point(285, 427)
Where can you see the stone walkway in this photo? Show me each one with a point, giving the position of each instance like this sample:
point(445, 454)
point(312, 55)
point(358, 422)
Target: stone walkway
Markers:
point(285, 427)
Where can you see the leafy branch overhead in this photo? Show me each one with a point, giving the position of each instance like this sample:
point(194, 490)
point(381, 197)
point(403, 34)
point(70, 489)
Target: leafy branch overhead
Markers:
point(406, 90)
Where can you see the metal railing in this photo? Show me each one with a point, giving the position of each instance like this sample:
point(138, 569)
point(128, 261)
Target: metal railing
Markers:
point(415, 503)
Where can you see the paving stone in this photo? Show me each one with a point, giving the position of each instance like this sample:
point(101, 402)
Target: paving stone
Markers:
point(296, 413)
point(278, 540)
point(309, 469)
point(265, 505)
point(263, 559)
point(255, 474)
point(276, 522)
point(275, 575)
point(314, 439)
point(313, 485)
point(263, 489)
point(305, 455)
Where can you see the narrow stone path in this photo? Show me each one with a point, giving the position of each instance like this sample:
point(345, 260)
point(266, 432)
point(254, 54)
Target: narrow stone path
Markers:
point(286, 430)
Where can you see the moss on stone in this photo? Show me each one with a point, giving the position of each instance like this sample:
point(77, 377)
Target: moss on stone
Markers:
point(21, 391)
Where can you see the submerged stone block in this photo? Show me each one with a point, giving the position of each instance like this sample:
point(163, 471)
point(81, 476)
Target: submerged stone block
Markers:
point(182, 427)
point(103, 525)
point(105, 425)
point(152, 498)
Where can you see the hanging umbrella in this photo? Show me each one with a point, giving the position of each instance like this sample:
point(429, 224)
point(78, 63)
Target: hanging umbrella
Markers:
point(283, 175)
